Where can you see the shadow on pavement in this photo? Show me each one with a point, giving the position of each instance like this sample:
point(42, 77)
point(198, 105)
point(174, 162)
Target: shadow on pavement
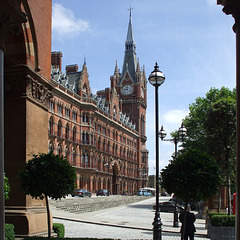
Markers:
point(141, 206)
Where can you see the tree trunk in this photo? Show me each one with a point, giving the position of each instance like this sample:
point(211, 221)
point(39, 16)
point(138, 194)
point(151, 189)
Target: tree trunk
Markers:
point(48, 217)
point(228, 182)
point(229, 194)
point(219, 199)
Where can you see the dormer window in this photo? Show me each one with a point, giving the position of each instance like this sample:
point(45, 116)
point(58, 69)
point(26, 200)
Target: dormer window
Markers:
point(84, 90)
point(114, 112)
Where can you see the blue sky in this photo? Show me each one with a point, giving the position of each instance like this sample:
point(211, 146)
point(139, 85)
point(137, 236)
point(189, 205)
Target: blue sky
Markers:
point(192, 41)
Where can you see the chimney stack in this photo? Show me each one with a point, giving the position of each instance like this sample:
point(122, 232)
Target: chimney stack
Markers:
point(71, 68)
point(56, 60)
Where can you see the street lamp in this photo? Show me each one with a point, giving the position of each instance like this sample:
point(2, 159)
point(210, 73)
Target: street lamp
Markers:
point(157, 78)
point(181, 134)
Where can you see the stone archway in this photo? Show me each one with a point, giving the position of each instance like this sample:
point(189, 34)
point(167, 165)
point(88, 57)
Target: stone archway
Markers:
point(115, 180)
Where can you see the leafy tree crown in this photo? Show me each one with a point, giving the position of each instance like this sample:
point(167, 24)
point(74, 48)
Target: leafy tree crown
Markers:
point(192, 176)
point(48, 174)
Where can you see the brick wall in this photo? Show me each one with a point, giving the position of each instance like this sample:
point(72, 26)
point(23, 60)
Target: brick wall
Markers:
point(41, 11)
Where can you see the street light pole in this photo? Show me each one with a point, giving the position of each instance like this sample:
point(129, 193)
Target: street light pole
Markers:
point(181, 134)
point(157, 78)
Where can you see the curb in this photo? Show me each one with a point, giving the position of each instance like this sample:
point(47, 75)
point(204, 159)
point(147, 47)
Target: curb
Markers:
point(121, 226)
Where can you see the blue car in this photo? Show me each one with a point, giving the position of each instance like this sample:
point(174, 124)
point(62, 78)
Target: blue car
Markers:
point(143, 193)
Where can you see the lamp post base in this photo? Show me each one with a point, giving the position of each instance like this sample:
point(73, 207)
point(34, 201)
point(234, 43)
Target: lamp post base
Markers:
point(157, 227)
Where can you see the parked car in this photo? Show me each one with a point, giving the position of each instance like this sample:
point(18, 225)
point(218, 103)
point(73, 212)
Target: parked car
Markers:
point(102, 192)
point(81, 193)
point(164, 193)
point(169, 207)
point(194, 205)
point(144, 193)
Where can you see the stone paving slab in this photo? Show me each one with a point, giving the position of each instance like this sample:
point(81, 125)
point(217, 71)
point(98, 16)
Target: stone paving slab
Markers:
point(78, 229)
point(133, 221)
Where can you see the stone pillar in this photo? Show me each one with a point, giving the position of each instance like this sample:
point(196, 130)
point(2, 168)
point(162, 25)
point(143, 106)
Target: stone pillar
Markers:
point(8, 24)
point(2, 220)
point(26, 132)
point(26, 96)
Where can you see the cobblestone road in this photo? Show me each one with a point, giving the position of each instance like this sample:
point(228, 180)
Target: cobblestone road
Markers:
point(132, 221)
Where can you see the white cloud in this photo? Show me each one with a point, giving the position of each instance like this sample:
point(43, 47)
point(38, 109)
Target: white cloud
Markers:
point(212, 2)
point(175, 116)
point(64, 21)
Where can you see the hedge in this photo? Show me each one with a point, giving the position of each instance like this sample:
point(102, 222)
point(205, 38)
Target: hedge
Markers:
point(9, 232)
point(216, 213)
point(222, 219)
point(59, 229)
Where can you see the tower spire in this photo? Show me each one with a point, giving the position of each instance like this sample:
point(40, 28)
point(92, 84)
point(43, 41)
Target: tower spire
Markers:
point(130, 37)
point(130, 9)
point(116, 72)
point(130, 62)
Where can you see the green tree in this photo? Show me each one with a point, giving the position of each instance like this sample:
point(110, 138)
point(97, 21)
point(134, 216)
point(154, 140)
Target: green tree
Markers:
point(6, 188)
point(220, 127)
point(192, 176)
point(211, 127)
point(48, 175)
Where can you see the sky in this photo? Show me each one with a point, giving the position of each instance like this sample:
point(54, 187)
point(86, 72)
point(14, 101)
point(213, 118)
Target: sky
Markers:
point(192, 41)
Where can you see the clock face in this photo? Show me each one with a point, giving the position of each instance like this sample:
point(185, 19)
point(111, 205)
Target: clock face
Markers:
point(127, 89)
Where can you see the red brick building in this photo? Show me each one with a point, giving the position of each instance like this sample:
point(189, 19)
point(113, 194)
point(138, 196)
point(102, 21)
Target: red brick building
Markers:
point(102, 135)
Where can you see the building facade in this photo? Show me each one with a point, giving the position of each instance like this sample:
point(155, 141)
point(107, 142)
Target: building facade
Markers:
point(103, 135)
point(25, 67)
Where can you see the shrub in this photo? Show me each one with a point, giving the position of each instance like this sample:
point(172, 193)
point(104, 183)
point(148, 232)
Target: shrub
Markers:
point(6, 188)
point(9, 232)
point(59, 229)
point(223, 220)
point(216, 213)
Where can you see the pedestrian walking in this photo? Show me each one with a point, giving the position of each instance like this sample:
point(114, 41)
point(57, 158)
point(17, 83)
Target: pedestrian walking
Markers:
point(189, 228)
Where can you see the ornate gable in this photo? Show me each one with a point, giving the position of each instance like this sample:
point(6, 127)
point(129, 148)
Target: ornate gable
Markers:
point(127, 79)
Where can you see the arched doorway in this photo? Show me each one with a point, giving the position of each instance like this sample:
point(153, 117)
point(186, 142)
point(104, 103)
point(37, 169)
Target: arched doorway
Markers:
point(115, 180)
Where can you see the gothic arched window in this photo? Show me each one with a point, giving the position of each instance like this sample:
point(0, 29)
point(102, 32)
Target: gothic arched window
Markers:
point(74, 137)
point(59, 132)
point(51, 126)
point(67, 132)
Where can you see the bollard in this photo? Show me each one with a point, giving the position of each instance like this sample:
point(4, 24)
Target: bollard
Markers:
point(175, 217)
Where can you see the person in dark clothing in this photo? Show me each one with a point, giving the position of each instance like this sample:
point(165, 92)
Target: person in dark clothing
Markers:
point(190, 228)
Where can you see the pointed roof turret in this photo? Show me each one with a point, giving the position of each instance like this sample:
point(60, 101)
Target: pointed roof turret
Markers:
point(116, 72)
point(130, 62)
point(144, 70)
point(138, 66)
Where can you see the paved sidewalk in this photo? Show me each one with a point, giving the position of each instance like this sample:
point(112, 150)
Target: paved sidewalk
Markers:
point(133, 221)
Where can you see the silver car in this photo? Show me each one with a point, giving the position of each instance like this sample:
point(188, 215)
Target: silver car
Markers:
point(81, 193)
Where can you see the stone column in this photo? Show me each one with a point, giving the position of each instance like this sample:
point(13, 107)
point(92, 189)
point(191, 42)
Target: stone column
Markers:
point(2, 220)
point(8, 24)
point(26, 133)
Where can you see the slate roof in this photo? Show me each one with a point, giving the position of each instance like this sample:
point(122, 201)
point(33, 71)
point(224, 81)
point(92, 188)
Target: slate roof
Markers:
point(70, 81)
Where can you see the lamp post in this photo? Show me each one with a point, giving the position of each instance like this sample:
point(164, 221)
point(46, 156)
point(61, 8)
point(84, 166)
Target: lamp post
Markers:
point(181, 134)
point(157, 78)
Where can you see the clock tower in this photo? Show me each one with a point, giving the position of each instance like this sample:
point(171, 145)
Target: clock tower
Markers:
point(132, 84)
point(132, 89)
